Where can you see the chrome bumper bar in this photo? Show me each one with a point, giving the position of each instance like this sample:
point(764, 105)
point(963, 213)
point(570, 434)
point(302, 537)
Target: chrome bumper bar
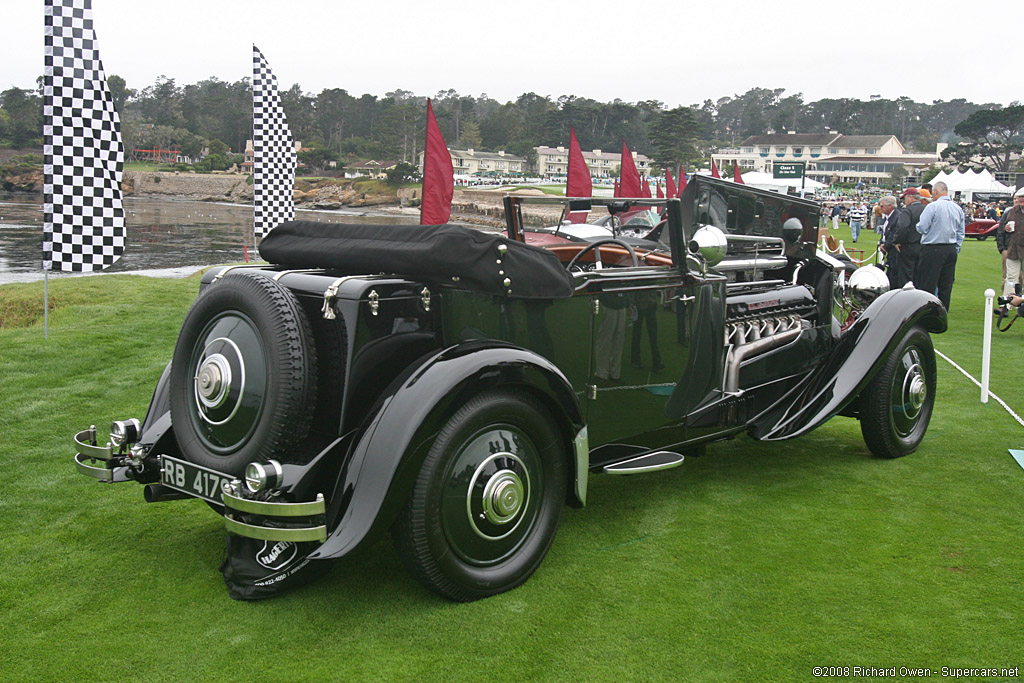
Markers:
point(295, 522)
point(90, 452)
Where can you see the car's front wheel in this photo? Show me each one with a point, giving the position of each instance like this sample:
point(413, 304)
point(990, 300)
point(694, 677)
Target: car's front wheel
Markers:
point(897, 404)
point(486, 503)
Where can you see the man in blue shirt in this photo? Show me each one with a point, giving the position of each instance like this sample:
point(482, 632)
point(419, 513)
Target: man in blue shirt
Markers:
point(942, 233)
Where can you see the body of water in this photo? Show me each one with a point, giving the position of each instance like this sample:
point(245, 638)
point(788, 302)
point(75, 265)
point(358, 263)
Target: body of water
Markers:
point(165, 236)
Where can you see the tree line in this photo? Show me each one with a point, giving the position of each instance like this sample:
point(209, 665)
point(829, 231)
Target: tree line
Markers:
point(342, 126)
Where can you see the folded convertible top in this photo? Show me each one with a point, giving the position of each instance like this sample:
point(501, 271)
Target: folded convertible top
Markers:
point(451, 254)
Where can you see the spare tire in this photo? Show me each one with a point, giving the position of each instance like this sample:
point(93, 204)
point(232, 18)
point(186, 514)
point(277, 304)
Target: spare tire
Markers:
point(243, 375)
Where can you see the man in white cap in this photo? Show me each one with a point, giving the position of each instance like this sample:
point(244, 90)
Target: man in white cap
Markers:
point(1010, 242)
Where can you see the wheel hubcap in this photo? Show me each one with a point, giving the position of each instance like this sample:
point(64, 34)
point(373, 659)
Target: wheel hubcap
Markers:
point(490, 499)
point(213, 380)
point(909, 393)
point(503, 497)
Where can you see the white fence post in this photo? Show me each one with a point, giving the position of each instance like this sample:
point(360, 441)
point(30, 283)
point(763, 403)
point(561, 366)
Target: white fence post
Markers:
point(986, 344)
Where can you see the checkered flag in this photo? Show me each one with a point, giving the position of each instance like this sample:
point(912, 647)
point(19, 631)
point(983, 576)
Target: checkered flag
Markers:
point(273, 149)
point(83, 218)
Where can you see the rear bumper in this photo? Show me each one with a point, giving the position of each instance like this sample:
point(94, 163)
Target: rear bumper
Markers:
point(273, 521)
point(98, 462)
point(243, 514)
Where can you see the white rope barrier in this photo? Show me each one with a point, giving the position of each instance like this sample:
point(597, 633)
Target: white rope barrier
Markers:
point(968, 376)
point(842, 250)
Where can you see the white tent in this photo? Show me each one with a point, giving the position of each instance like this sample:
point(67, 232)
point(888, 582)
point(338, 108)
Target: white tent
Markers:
point(970, 182)
point(765, 181)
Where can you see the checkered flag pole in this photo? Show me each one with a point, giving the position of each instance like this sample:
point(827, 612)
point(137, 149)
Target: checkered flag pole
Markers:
point(274, 157)
point(83, 158)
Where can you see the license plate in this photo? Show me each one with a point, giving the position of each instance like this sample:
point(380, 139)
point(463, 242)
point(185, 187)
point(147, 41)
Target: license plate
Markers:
point(194, 480)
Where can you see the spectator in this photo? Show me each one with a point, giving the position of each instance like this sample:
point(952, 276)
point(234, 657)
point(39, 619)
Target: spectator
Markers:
point(857, 214)
point(942, 234)
point(1010, 242)
point(892, 256)
point(906, 238)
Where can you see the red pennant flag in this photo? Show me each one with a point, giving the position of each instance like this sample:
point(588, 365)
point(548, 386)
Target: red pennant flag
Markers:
point(615, 193)
point(670, 185)
point(629, 185)
point(736, 174)
point(579, 183)
point(438, 175)
point(660, 195)
point(682, 181)
point(714, 170)
point(645, 187)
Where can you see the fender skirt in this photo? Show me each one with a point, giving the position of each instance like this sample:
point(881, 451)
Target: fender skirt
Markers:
point(379, 474)
point(857, 356)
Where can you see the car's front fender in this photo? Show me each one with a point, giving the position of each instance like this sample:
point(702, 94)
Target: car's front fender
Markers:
point(379, 473)
point(855, 359)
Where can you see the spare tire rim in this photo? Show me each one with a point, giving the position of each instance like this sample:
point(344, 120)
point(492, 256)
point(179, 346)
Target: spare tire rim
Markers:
point(228, 382)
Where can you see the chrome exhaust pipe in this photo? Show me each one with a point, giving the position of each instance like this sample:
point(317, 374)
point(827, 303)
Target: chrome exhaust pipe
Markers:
point(753, 348)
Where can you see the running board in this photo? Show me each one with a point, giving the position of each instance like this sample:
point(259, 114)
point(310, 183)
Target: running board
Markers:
point(648, 462)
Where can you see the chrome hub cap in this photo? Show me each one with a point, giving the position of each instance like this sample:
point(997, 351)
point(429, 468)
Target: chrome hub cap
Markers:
point(909, 393)
point(915, 390)
point(503, 497)
point(497, 494)
point(491, 496)
point(213, 380)
point(219, 381)
point(917, 393)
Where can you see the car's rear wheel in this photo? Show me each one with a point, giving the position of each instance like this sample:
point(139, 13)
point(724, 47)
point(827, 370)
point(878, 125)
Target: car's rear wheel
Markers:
point(897, 404)
point(486, 504)
point(243, 375)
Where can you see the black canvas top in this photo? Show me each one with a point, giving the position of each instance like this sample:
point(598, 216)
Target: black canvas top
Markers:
point(427, 252)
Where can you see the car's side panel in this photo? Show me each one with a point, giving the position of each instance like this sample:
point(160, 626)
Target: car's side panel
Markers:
point(840, 377)
point(379, 473)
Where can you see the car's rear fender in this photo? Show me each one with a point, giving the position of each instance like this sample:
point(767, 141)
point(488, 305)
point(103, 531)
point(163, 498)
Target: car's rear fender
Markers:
point(381, 468)
point(855, 359)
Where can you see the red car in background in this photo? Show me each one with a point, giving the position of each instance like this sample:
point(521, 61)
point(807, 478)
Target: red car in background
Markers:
point(981, 228)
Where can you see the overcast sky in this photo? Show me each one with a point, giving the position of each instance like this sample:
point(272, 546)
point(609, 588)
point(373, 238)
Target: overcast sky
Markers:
point(675, 51)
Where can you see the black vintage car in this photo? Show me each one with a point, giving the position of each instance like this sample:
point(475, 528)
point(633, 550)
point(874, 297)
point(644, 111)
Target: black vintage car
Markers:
point(458, 388)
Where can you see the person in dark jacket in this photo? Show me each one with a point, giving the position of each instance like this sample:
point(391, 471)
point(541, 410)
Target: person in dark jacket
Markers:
point(1010, 242)
point(906, 238)
point(890, 217)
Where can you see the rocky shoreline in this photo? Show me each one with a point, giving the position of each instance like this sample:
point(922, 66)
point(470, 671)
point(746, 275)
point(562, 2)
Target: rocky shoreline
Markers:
point(476, 206)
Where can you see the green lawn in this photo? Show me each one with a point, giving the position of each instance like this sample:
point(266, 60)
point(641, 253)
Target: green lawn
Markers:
point(756, 562)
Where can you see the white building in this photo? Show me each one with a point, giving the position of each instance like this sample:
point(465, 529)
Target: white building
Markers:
point(554, 161)
point(830, 156)
point(479, 163)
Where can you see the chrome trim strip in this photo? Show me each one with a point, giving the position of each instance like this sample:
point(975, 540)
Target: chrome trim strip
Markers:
point(264, 533)
point(581, 444)
point(83, 441)
point(242, 265)
point(259, 507)
point(292, 272)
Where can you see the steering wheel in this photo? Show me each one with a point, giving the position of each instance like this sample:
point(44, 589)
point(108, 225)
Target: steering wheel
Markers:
point(597, 252)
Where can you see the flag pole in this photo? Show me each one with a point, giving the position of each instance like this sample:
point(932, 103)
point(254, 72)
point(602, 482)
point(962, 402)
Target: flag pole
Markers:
point(46, 304)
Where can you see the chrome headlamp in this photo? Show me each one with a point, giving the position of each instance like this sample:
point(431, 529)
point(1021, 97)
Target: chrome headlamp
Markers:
point(263, 476)
point(124, 432)
point(867, 284)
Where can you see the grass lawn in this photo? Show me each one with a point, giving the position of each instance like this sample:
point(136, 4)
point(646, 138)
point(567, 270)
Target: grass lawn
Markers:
point(756, 562)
